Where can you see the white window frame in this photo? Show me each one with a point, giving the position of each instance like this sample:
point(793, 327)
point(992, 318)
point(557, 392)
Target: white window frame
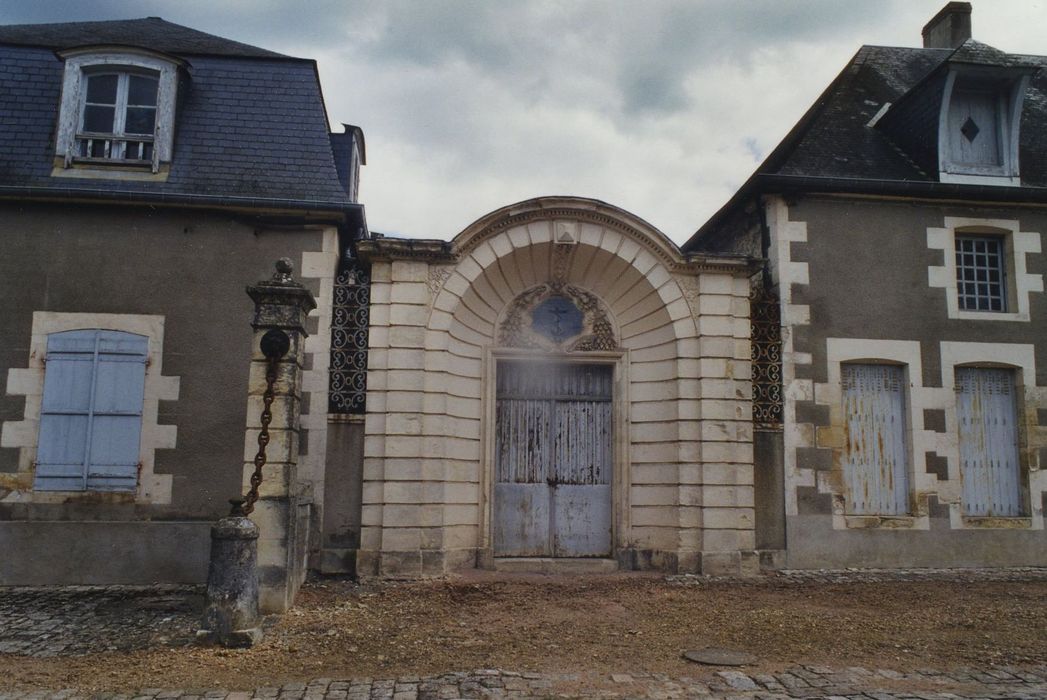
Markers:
point(29, 382)
point(1002, 283)
point(1017, 243)
point(82, 62)
point(119, 137)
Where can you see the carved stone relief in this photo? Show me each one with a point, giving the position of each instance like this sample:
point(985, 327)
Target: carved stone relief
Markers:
point(557, 317)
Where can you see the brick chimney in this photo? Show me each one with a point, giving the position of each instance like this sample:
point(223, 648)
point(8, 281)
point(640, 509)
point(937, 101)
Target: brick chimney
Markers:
point(949, 28)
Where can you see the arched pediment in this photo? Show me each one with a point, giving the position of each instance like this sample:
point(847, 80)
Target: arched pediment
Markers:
point(569, 209)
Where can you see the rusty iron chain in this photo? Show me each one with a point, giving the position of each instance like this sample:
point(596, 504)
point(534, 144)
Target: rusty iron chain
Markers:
point(263, 439)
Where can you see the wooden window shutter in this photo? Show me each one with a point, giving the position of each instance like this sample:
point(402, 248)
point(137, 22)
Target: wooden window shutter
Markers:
point(91, 414)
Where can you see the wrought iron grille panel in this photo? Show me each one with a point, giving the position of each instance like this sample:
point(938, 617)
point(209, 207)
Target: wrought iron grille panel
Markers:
point(765, 315)
point(349, 324)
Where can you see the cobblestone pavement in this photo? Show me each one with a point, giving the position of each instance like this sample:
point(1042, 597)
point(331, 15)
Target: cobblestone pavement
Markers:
point(801, 576)
point(78, 620)
point(809, 682)
point(75, 620)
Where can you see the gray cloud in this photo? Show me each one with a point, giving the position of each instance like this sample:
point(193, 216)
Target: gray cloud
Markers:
point(662, 107)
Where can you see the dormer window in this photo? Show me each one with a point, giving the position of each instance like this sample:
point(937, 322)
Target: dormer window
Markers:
point(118, 121)
point(978, 128)
point(117, 114)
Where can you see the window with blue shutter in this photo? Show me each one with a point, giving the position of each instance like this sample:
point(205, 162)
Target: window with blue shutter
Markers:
point(91, 415)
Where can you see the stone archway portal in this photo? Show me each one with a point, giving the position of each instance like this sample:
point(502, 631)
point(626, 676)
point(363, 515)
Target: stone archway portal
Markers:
point(553, 459)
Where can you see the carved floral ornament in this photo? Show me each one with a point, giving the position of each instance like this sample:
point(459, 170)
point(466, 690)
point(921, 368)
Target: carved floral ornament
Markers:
point(557, 317)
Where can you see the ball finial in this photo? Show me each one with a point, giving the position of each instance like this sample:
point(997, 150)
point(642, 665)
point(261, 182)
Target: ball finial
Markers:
point(284, 268)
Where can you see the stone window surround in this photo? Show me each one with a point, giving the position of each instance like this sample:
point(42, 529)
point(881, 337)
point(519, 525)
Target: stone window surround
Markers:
point(1022, 359)
point(29, 382)
point(80, 62)
point(906, 353)
point(1017, 244)
point(953, 354)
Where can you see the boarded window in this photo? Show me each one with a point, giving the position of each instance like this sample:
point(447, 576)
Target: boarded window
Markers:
point(91, 414)
point(876, 464)
point(987, 415)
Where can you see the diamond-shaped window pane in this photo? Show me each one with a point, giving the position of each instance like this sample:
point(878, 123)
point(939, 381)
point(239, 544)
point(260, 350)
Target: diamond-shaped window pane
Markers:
point(969, 129)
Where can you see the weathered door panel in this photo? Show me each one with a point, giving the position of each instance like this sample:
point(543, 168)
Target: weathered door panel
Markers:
point(553, 437)
point(521, 526)
point(582, 474)
point(522, 497)
point(582, 520)
point(988, 426)
point(876, 460)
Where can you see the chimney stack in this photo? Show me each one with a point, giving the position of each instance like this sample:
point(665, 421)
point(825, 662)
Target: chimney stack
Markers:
point(949, 28)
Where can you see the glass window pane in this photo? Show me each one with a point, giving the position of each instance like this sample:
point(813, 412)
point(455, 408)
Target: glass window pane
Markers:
point(99, 119)
point(141, 91)
point(101, 89)
point(140, 120)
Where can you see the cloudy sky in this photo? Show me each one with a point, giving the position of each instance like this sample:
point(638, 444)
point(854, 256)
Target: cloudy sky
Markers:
point(660, 107)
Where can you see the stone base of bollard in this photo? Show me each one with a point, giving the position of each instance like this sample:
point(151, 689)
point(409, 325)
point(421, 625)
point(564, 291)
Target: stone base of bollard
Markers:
point(237, 639)
point(231, 611)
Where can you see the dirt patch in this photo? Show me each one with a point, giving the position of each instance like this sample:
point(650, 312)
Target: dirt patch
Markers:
point(618, 623)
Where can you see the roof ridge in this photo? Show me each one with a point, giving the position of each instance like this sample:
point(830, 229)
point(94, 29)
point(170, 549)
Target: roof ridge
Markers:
point(151, 32)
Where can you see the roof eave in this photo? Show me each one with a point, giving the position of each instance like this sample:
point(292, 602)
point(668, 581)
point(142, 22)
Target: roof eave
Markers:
point(765, 183)
point(340, 211)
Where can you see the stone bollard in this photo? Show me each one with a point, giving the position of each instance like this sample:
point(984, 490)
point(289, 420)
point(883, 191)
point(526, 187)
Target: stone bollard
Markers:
point(231, 611)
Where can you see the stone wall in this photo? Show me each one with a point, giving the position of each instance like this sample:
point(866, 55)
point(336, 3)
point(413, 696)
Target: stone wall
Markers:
point(683, 496)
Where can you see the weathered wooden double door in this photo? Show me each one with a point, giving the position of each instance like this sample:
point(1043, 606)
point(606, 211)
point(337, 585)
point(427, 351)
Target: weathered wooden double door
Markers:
point(553, 460)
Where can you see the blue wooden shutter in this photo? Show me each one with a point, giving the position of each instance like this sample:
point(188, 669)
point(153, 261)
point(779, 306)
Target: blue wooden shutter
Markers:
point(987, 415)
point(876, 457)
point(91, 415)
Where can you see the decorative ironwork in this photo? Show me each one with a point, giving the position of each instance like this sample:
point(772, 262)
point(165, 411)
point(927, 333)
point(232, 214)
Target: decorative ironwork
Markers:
point(766, 327)
point(349, 323)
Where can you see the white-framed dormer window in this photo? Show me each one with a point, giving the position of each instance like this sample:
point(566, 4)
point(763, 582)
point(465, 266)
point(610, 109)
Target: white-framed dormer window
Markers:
point(117, 111)
point(118, 117)
point(978, 129)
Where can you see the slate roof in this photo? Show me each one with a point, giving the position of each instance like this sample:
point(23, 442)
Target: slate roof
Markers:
point(251, 127)
point(151, 32)
point(833, 146)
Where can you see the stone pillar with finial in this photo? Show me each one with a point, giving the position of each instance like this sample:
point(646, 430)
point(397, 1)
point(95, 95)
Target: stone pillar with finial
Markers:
point(275, 501)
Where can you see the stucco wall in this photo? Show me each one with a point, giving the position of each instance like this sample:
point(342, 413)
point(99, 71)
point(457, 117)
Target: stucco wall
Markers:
point(187, 267)
point(865, 280)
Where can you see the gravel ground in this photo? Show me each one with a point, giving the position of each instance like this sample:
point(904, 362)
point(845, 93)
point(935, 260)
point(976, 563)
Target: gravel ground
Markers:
point(595, 626)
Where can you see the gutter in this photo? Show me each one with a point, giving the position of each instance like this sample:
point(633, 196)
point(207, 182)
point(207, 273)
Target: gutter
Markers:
point(346, 209)
point(903, 188)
